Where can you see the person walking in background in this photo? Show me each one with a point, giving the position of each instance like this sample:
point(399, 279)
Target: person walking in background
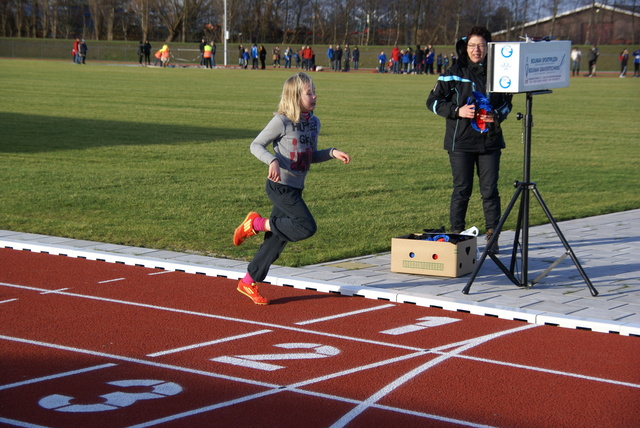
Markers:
point(576, 57)
point(213, 54)
point(287, 57)
point(293, 134)
point(165, 56)
point(636, 63)
point(276, 57)
point(594, 53)
point(624, 60)
point(473, 138)
point(141, 52)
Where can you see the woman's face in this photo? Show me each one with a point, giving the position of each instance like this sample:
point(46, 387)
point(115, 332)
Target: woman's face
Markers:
point(476, 48)
point(308, 98)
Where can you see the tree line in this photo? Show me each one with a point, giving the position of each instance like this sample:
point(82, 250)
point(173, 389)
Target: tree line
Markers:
point(360, 22)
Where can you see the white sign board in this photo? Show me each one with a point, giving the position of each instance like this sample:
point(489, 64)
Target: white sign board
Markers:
point(516, 67)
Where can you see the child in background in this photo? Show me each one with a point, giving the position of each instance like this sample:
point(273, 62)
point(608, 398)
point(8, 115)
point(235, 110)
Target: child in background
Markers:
point(293, 132)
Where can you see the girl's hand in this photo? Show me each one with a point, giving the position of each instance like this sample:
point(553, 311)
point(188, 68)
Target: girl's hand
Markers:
point(274, 171)
point(341, 156)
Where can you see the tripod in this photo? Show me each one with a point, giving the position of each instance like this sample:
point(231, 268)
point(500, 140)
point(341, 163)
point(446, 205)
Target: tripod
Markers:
point(522, 189)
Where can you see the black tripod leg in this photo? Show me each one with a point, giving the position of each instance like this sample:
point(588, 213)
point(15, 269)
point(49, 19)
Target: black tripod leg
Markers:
point(594, 292)
point(496, 232)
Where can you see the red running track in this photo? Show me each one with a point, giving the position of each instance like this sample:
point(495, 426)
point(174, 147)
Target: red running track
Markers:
point(93, 344)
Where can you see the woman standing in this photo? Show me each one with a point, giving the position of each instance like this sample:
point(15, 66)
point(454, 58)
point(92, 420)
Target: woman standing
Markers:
point(473, 137)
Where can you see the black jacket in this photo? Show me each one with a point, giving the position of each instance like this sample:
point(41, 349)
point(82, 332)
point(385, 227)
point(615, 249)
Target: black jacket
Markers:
point(453, 90)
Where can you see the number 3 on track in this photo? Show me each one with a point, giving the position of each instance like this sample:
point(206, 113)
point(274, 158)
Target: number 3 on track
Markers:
point(113, 400)
point(255, 361)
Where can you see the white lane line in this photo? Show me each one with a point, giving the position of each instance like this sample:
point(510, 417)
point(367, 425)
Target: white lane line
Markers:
point(225, 318)
point(8, 301)
point(56, 376)
point(213, 342)
point(111, 280)
point(54, 291)
point(15, 423)
point(139, 361)
point(392, 386)
point(346, 314)
point(160, 273)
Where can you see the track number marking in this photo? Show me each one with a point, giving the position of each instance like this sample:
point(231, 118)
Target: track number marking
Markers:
point(256, 361)
point(426, 322)
point(113, 400)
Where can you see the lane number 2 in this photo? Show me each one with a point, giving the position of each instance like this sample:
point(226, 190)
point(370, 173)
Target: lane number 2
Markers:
point(257, 361)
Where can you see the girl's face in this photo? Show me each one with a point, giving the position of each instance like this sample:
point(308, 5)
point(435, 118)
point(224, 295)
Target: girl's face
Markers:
point(308, 98)
point(476, 48)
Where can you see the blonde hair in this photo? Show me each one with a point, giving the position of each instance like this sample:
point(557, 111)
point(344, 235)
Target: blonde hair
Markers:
point(291, 94)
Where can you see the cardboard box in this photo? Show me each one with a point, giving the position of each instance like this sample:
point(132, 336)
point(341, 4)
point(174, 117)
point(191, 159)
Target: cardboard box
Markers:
point(415, 254)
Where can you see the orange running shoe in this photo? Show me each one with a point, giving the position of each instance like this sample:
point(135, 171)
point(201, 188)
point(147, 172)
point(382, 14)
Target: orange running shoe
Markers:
point(251, 291)
point(245, 229)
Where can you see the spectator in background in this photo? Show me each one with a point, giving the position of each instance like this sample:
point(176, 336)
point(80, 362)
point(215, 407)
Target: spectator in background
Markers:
point(75, 51)
point(254, 57)
point(430, 59)
point(594, 53)
point(382, 62)
point(213, 54)
point(576, 57)
point(147, 52)
point(141, 51)
point(276, 57)
point(337, 58)
point(241, 56)
point(206, 56)
point(203, 62)
point(262, 52)
point(287, 57)
point(395, 59)
point(356, 58)
point(330, 57)
point(346, 54)
point(83, 52)
point(636, 63)
point(624, 60)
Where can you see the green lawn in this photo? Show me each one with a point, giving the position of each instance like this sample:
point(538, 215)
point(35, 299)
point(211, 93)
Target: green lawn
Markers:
point(159, 157)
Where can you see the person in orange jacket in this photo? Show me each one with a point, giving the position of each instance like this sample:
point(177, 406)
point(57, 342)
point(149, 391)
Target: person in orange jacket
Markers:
point(166, 53)
point(158, 59)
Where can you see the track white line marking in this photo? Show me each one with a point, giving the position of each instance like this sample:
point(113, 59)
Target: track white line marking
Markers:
point(8, 301)
point(213, 342)
point(465, 345)
point(138, 361)
point(20, 423)
point(160, 273)
point(54, 291)
point(346, 314)
point(56, 376)
point(224, 318)
point(111, 280)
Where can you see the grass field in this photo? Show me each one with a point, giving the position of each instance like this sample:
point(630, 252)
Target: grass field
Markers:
point(159, 158)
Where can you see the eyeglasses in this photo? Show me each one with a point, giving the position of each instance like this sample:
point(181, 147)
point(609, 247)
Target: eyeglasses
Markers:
point(473, 47)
